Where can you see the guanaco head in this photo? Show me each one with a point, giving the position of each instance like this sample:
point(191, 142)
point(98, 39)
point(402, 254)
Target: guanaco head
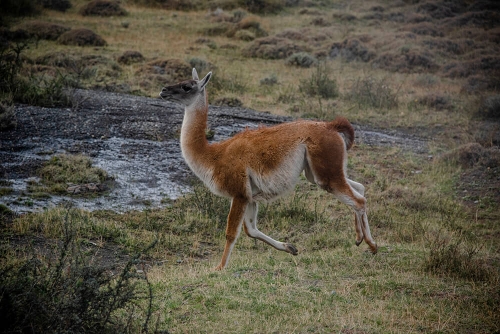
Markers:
point(186, 92)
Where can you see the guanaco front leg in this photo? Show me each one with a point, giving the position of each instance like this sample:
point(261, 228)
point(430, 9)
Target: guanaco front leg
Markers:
point(233, 228)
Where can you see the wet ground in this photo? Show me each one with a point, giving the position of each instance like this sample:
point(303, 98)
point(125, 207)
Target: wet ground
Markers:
point(135, 139)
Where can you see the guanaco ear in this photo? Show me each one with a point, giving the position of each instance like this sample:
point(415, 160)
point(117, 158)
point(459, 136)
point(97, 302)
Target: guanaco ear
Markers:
point(195, 75)
point(205, 80)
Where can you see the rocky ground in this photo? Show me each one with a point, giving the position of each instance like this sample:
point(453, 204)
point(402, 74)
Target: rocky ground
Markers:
point(135, 139)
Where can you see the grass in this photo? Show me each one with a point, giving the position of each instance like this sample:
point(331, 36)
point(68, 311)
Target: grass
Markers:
point(437, 269)
point(68, 174)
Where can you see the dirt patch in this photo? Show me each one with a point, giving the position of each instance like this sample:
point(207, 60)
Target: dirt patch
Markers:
point(45, 30)
point(81, 37)
point(102, 8)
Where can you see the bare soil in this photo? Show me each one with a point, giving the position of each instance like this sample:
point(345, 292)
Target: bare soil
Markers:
point(135, 139)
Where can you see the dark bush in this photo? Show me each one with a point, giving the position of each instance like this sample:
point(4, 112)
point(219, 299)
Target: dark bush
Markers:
point(7, 117)
point(130, 57)
point(436, 101)
point(407, 62)
point(18, 8)
point(65, 292)
point(272, 48)
point(426, 29)
point(102, 8)
point(45, 30)
point(301, 59)
point(81, 37)
point(263, 6)
point(442, 9)
point(350, 50)
point(60, 5)
point(490, 107)
point(471, 155)
point(228, 101)
point(456, 257)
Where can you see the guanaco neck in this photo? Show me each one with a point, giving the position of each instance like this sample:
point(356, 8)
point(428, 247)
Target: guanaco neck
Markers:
point(193, 138)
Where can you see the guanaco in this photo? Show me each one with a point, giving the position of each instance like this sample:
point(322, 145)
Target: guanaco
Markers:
point(259, 165)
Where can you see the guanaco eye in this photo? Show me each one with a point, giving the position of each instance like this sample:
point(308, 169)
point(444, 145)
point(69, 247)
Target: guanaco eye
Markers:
point(186, 88)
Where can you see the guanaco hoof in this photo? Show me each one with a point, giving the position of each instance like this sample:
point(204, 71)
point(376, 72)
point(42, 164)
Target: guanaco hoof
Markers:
point(374, 249)
point(291, 249)
point(359, 242)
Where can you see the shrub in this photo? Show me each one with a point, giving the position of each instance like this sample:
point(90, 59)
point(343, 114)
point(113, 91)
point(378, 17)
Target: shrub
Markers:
point(130, 57)
point(65, 292)
point(456, 257)
point(81, 37)
point(436, 101)
point(320, 83)
point(262, 6)
point(223, 84)
point(10, 65)
point(272, 48)
point(471, 155)
point(7, 117)
point(102, 8)
point(18, 8)
point(43, 90)
point(408, 62)
point(490, 107)
point(60, 5)
point(370, 92)
point(228, 101)
point(45, 30)
point(301, 59)
point(200, 64)
point(270, 80)
point(350, 50)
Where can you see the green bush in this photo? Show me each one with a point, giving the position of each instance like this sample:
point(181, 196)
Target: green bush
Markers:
point(320, 83)
point(371, 92)
point(301, 59)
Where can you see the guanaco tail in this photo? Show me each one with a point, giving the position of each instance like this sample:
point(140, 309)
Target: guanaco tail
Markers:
point(260, 165)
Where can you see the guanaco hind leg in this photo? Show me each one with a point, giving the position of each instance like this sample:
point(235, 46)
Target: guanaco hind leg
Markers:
point(250, 224)
point(358, 222)
point(347, 194)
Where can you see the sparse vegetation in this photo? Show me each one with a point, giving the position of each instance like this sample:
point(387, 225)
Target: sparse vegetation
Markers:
point(320, 83)
point(374, 93)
